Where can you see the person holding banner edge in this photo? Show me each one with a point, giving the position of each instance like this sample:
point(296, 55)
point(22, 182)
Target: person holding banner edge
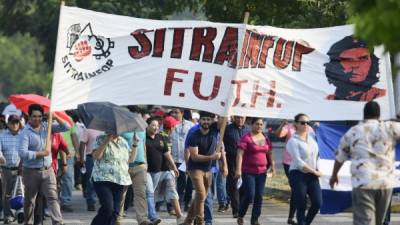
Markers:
point(37, 173)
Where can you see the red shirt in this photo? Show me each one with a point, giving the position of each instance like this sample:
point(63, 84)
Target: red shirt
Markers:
point(57, 143)
point(255, 156)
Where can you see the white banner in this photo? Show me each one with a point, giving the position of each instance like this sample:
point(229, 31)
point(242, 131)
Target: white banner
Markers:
point(232, 69)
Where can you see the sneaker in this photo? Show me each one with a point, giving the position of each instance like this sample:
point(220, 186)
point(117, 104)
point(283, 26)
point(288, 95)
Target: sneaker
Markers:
point(180, 220)
point(9, 220)
point(78, 187)
point(221, 208)
point(240, 221)
point(156, 221)
point(171, 213)
point(226, 207)
point(66, 208)
point(291, 221)
point(91, 208)
point(146, 222)
point(46, 212)
point(20, 217)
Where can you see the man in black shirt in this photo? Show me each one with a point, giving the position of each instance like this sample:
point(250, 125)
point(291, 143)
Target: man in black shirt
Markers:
point(233, 133)
point(160, 164)
point(203, 150)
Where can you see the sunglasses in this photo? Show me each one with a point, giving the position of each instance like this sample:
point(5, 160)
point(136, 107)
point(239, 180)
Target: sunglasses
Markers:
point(304, 122)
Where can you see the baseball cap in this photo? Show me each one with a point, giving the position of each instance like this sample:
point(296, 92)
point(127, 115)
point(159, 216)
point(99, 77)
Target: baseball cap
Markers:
point(170, 122)
point(13, 119)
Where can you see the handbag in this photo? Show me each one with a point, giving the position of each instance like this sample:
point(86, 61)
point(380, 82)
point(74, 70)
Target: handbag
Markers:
point(17, 197)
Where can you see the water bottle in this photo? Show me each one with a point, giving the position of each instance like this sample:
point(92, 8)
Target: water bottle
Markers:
point(239, 183)
point(83, 170)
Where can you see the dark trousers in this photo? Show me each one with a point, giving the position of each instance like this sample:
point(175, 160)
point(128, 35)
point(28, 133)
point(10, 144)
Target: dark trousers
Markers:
point(110, 197)
point(304, 184)
point(77, 173)
point(252, 189)
point(184, 186)
point(231, 189)
point(292, 206)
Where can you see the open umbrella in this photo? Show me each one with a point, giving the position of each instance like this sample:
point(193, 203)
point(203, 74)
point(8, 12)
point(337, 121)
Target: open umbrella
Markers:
point(23, 102)
point(110, 118)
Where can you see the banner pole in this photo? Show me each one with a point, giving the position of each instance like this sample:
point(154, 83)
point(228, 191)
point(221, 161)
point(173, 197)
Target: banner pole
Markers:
point(225, 118)
point(50, 118)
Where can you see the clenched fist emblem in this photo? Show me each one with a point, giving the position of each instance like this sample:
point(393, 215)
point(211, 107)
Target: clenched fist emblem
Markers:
point(82, 49)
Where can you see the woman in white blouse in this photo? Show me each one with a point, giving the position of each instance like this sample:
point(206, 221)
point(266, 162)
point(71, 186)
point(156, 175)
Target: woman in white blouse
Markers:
point(304, 174)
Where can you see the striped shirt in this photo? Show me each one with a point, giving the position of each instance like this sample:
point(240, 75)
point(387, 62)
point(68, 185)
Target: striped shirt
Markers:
point(8, 148)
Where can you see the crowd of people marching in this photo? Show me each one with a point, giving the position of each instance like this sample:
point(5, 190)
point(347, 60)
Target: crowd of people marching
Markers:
point(181, 162)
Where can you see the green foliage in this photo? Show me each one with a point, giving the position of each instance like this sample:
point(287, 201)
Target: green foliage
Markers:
point(377, 22)
point(280, 13)
point(22, 68)
point(27, 59)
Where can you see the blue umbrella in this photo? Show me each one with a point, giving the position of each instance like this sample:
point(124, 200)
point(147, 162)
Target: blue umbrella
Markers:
point(110, 118)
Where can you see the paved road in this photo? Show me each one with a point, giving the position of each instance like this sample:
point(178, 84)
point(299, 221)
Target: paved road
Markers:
point(272, 214)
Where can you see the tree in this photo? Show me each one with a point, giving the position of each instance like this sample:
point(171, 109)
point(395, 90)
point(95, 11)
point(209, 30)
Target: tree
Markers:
point(22, 68)
point(40, 17)
point(377, 22)
point(279, 13)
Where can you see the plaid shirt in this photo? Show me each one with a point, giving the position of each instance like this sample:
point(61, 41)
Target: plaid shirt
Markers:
point(8, 148)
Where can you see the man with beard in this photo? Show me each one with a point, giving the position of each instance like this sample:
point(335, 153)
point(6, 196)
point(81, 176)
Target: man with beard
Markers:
point(353, 71)
point(202, 150)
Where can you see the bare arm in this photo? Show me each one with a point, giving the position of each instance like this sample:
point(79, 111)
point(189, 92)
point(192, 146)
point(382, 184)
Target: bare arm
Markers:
point(270, 159)
point(281, 132)
point(82, 147)
point(223, 164)
point(171, 163)
point(334, 179)
point(196, 157)
point(132, 156)
point(98, 153)
point(239, 159)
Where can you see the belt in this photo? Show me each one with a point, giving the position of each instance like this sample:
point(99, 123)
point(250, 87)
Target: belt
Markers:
point(9, 168)
point(136, 164)
point(40, 168)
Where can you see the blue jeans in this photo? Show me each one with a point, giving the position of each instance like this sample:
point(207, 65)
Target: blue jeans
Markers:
point(208, 204)
point(67, 183)
point(221, 188)
point(304, 184)
point(90, 192)
point(208, 207)
point(110, 197)
point(151, 205)
point(253, 188)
